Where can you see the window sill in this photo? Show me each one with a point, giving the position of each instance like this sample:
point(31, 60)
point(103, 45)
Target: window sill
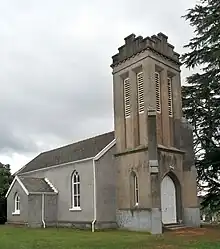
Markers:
point(75, 209)
point(16, 213)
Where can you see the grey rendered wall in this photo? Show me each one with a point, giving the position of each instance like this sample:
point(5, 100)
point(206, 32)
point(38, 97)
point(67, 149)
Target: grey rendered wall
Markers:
point(50, 214)
point(60, 177)
point(23, 217)
point(35, 210)
point(106, 187)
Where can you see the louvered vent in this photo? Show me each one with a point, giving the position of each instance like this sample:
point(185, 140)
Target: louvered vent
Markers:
point(127, 98)
point(157, 83)
point(170, 100)
point(140, 86)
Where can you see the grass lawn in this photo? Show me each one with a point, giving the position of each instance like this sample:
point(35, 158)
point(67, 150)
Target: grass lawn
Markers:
point(24, 238)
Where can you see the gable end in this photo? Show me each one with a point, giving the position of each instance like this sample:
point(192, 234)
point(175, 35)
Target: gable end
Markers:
point(20, 183)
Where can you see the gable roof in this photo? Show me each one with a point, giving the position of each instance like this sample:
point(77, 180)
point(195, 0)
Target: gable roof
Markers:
point(37, 185)
point(32, 185)
point(80, 150)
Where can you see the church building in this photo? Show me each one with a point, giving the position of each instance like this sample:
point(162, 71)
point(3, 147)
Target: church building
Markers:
point(139, 177)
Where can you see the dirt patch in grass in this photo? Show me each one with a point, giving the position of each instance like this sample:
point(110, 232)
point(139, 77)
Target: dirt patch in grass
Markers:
point(165, 247)
point(191, 232)
point(197, 234)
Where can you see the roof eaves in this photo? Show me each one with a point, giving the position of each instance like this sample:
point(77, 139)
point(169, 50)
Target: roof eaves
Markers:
point(58, 165)
point(43, 193)
point(18, 171)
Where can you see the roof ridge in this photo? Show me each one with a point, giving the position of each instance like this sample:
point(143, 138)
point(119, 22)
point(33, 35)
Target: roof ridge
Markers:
point(79, 141)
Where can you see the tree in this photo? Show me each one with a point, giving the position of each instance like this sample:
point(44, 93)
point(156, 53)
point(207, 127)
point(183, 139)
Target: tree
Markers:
point(5, 181)
point(201, 96)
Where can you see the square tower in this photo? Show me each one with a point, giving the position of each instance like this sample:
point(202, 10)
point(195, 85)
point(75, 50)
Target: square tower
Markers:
point(154, 160)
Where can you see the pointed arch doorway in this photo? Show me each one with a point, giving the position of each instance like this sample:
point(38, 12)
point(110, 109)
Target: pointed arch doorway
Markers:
point(168, 201)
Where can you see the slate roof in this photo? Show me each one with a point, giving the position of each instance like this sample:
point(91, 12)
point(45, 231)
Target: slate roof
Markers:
point(34, 185)
point(76, 151)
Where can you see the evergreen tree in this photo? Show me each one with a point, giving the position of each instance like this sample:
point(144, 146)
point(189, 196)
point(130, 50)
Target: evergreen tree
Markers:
point(201, 95)
point(5, 181)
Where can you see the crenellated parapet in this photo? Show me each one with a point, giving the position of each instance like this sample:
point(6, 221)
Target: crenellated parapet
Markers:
point(135, 45)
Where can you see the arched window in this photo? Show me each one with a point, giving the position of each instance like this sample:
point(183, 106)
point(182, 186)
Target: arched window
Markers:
point(136, 192)
point(134, 189)
point(75, 190)
point(17, 203)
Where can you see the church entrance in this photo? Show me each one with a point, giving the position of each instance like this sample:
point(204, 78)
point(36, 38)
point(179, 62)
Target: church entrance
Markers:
point(168, 201)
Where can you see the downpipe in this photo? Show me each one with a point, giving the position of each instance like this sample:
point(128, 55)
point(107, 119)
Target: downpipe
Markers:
point(94, 197)
point(42, 211)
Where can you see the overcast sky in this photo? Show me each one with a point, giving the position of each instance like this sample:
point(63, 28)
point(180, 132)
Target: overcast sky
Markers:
point(55, 78)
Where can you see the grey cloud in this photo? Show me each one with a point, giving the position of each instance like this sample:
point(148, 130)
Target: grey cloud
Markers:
point(10, 142)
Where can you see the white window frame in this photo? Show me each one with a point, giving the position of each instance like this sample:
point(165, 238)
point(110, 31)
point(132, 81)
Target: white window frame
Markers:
point(140, 92)
point(127, 98)
point(17, 205)
point(170, 96)
point(158, 93)
point(136, 190)
point(75, 185)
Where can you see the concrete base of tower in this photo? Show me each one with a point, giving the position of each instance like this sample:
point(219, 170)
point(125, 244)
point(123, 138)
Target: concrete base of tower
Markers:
point(156, 218)
point(148, 220)
point(191, 217)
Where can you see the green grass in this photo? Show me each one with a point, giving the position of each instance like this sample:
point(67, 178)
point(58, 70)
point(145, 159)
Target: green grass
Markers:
point(24, 238)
